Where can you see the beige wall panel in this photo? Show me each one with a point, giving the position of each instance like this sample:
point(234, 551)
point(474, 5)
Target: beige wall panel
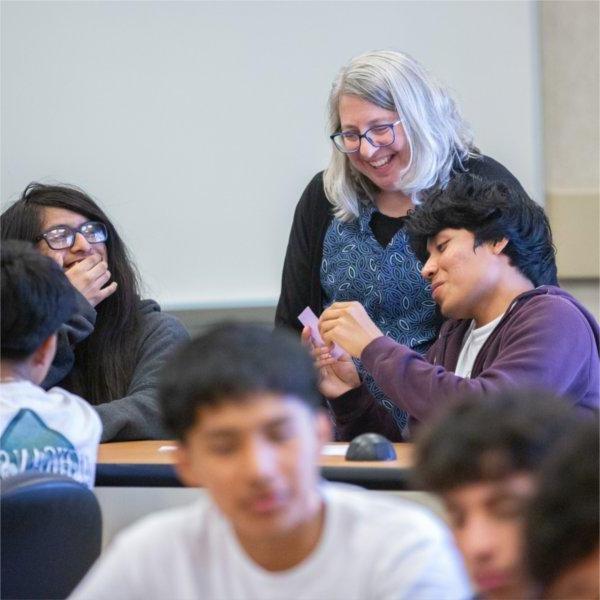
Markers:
point(570, 59)
point(575, 220)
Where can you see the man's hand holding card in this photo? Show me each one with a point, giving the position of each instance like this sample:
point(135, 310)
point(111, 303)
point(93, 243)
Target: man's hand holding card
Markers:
point(348, 325)
point(338, 373)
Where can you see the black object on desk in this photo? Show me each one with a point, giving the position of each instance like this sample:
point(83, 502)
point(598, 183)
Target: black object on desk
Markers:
point(370, 446)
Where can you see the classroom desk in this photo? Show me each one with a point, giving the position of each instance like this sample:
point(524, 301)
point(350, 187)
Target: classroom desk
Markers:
point(150, 464)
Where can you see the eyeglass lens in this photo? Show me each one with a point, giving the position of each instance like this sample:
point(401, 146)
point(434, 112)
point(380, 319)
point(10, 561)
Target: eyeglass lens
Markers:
point(378, 136)
point(63, 237)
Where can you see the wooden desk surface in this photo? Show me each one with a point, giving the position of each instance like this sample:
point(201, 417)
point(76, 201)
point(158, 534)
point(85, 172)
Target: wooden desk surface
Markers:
point(160, 452)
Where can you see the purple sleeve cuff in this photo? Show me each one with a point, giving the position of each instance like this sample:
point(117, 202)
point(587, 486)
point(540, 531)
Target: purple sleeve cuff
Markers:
point(378, 347)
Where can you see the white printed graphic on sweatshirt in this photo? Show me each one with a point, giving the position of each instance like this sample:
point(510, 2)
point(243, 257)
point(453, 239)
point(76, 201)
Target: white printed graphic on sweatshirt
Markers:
point(28, 444)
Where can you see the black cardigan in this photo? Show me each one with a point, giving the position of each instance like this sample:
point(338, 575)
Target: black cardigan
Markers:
point(301, 278)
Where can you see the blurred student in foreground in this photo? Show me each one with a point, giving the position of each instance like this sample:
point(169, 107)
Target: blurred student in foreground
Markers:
point(244, 405)
point(482, 456)
point(487, 253)
point(50, 431)
point(562, 526)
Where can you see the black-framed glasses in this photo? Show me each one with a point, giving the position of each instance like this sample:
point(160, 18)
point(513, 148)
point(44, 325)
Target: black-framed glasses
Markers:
point(378, 136)
point(63, 236)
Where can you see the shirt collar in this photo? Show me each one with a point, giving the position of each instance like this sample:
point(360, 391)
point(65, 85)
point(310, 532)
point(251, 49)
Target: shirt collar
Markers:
point(365, 212)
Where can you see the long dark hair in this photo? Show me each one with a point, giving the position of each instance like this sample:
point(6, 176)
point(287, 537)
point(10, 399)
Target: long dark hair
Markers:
point(104, 362)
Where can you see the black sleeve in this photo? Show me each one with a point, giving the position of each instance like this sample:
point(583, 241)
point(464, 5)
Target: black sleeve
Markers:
point(357, 412)
point(491, 170)
point(300, 283)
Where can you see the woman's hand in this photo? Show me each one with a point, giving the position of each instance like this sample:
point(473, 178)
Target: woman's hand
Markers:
point(89, 277)
point(336, 376)
point(348, 325)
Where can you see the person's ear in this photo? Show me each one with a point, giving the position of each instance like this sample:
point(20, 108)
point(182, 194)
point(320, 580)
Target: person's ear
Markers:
point(498, 247)
point(44, 354)
point(184, 465)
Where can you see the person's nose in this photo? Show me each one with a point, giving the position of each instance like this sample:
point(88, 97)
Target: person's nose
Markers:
point(478, 541)
point(429, 268)
point(366, 149)
point(259, 460)
point(80, 244)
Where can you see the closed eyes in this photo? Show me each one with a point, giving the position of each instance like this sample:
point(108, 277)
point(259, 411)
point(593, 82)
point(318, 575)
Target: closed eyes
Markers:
point(441, 247)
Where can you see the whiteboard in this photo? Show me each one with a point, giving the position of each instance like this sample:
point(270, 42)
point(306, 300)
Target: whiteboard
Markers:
point(196, 125)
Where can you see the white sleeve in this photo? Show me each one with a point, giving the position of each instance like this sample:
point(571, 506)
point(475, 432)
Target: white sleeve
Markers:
point(424, 565)
point(116, 574)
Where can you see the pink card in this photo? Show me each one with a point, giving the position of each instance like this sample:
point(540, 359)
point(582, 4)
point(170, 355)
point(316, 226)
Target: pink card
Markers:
point(308, 318)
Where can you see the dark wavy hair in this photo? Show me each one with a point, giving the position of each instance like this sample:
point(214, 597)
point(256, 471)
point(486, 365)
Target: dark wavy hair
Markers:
point(105, 361)
point(491, 211)
point(230, 362)
point(563, 525)
point(487, 438)
point(37, 299)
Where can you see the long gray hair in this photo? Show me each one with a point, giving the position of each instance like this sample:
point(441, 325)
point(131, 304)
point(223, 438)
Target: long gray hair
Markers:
point(436, 132)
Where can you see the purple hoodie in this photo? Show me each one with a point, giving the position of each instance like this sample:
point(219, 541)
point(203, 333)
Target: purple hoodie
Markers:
point(546, 340)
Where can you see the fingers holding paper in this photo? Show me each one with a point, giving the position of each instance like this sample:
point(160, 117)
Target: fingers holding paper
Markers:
point(337, 372)
point(348, 325)
point(306, 338)
point(336, 375)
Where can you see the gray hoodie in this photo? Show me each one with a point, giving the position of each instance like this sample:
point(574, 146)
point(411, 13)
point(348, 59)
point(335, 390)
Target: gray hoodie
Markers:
point(136, 416)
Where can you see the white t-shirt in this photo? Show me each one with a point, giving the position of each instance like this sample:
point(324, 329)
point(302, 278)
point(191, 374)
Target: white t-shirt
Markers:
point(50, 431)
point(474, 340)
point(371, 547)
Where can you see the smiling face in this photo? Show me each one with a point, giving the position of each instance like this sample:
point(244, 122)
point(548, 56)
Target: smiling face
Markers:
point(463, 278)
point(383, 166)
point(52, 217)
point(257, 457)
point(487, 521)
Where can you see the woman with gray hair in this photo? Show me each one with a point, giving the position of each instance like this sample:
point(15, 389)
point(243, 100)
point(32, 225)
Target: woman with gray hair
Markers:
point(397, 135)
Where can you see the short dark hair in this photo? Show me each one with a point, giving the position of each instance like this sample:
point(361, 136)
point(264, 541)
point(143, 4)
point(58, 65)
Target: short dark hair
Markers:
point(562, 525)
point(491, 211)
point(37, 299)
point(486, 438)
point(231, 361)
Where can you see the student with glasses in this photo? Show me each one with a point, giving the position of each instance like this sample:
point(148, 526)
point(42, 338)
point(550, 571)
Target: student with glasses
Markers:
point(110, 351)
point(397, 135)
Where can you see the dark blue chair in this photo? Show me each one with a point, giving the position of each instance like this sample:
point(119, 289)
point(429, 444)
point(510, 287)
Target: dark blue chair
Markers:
point(51, 531)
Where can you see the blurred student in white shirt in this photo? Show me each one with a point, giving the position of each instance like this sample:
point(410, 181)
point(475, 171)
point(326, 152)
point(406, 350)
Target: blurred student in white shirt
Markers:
point(243, 403)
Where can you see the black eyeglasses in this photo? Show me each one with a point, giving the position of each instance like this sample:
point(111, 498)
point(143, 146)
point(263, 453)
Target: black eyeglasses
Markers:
point(378, 136)
point(63, 236)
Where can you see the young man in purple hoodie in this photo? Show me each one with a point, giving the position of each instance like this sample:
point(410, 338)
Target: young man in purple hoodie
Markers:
point(487, 253)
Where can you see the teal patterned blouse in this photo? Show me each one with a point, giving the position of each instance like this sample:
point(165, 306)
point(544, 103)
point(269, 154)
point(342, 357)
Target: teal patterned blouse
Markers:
point(387, 281)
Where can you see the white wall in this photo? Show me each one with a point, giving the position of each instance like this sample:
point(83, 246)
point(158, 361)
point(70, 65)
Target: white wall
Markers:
point(571, 65)
point(197, 124)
